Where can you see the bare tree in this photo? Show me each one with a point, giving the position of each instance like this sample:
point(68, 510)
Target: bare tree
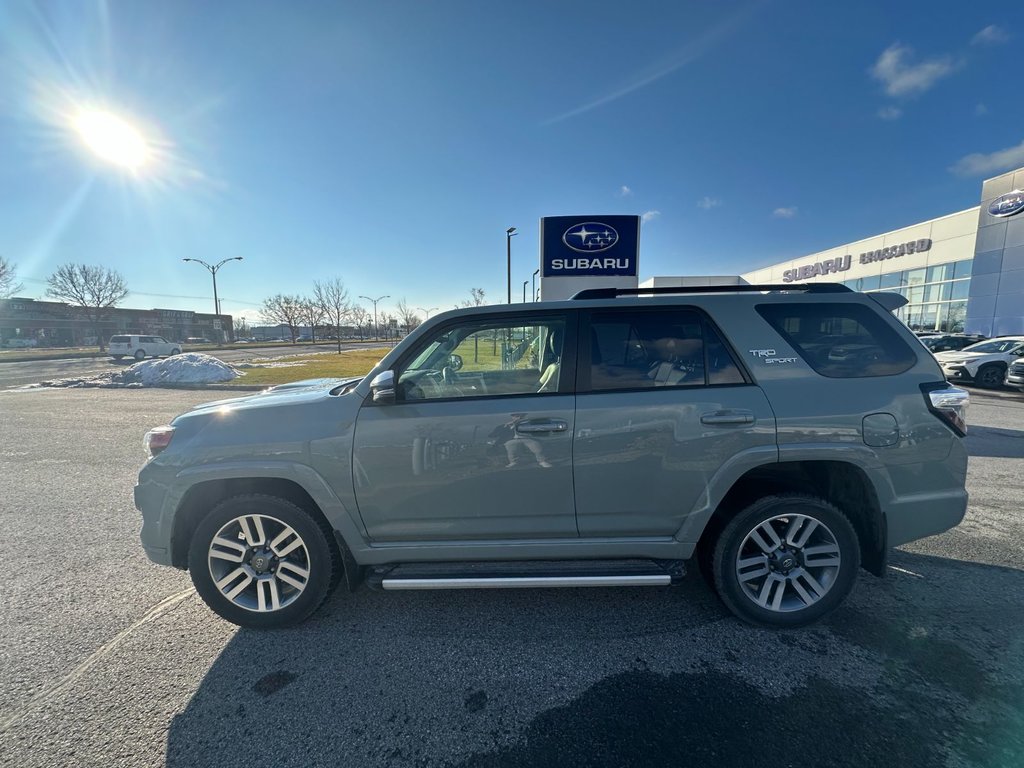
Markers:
point(359, 315)
point(407, 316)
point(476, 298)
point(281, 309)
point(8, 276)
point(312, 314)
point(388, 321)
point(95, 289)
point(241, 327)
point(332, 298)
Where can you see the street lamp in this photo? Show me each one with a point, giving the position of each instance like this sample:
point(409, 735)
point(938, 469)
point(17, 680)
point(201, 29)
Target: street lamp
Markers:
point(376, 330)
point(524, 290)
point(213, 271)
point(426, 311)
point(533, 285)
point(509, 234)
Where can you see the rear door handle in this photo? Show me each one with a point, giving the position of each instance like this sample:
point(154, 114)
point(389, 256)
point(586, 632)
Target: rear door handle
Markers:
point(554, 425)
point(727, 417)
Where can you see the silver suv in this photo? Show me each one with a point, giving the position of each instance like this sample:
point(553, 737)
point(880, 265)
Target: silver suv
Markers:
point(779, 437)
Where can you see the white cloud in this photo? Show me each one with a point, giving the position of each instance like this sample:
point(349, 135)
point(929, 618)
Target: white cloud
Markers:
point(990, 35)
point(978, 164)
point(901, 77)
point(890, 113)
point(650, 215)
point(980, 110)
point(707, 203)
point(625, 191)
point(785, 213)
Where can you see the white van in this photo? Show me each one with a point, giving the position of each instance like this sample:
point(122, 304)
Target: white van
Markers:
point(141, 347)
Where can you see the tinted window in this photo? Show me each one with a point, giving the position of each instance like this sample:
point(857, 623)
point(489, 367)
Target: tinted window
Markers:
point(120, 339)
point(651, 349)
point(840, 340)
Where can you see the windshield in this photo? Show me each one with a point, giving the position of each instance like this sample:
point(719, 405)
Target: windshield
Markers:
point(996, 345)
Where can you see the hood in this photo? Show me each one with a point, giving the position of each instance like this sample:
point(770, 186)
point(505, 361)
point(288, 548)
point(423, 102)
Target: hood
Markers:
point(959, 354)
point(293, 393)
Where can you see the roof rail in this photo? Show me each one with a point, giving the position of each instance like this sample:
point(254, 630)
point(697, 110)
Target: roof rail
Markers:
point(611, 293)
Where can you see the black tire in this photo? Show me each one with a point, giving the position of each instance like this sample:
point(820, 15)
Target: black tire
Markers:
point(118, 357)
point(990, 376)
point(175, 351)
point(140, 355)
point(323, 560)
point(738, 596)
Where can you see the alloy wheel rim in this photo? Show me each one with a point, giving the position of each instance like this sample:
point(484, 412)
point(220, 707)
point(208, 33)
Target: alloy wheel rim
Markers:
point(259, 563)
point(788, 563)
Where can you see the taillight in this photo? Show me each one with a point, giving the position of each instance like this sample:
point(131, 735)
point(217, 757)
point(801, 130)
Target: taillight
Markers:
point(157, 439)
point(949, 403)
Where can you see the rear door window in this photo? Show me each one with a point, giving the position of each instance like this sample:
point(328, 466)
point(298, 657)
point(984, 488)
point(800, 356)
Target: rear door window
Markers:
point(649, 349)
point(120, 339)
point(840, 340)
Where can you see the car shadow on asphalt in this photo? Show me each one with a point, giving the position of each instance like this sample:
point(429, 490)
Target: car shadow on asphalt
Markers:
point(995, 442)
point(924, 663)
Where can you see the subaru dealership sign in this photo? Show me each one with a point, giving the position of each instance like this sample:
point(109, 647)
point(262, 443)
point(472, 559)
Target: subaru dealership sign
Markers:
point(589, 246)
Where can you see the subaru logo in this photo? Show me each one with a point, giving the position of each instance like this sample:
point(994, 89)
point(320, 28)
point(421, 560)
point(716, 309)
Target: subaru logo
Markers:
point(1008, 204)
point(590, 237)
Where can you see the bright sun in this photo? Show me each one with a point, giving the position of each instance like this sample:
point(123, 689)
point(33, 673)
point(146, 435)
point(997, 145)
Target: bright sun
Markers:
point(112, 139)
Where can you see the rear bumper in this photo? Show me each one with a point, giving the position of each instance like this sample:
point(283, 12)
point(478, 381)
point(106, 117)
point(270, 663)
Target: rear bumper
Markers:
point(155, 535)
point(924, 515)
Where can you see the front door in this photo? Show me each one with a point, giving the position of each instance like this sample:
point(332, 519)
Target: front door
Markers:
point(478, 444)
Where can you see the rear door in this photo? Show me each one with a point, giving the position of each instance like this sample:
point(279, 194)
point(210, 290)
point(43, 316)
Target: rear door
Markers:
point(661, 405)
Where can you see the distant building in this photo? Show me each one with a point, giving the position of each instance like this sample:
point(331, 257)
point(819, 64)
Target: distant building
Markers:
point(56, 324)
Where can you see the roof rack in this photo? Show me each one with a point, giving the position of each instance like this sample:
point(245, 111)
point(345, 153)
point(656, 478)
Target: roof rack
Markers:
point(611, 293)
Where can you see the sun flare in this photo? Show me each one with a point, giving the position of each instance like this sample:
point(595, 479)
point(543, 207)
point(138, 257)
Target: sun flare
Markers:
point(112, 139)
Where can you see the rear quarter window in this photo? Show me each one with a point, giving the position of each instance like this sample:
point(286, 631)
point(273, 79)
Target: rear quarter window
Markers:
point(840, 340)
point(120, 339)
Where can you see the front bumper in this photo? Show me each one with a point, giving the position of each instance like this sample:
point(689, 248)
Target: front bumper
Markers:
point(957, 373)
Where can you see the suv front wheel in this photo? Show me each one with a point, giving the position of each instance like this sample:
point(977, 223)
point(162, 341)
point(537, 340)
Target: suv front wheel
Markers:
point(786, 561)
point(260, 561)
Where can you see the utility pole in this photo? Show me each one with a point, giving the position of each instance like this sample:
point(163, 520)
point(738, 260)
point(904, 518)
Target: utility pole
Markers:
point(533, 285)
point(509, 234)
point(525, 282)
point(376, 330)
point(213, 271)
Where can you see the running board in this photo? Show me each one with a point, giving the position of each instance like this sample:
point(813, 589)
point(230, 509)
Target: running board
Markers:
point(525, 575)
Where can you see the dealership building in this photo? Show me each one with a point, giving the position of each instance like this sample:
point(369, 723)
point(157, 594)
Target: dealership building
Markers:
point(960, 272)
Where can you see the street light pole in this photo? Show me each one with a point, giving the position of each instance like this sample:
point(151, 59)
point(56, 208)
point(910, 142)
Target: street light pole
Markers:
point(213, 272)
point(524, 290)
point(533, 285)
point(426, 311)
point(376, 330)
point(509, 234)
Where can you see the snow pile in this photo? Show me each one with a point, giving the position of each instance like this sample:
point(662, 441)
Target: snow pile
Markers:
point(187, 368)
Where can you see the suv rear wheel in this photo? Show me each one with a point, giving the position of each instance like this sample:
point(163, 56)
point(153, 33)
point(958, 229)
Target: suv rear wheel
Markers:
point(786, 561)
point(260, 561)
point(140, 354)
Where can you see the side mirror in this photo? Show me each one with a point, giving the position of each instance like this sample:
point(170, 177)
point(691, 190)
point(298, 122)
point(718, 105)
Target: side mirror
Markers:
point(383, 387)
point(455, 362)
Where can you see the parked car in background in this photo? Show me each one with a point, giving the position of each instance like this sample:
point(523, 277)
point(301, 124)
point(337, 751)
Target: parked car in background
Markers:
point(20, 343)
point(779, 440)
point(944, 342)
point(141, 347)
point(985, 363)
point(1015, 375)
point(197, 340)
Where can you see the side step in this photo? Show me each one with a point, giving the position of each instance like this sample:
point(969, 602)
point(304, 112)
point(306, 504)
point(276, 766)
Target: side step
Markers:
point(528, 574)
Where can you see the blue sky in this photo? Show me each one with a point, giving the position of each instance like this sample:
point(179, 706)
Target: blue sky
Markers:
point(392, 143)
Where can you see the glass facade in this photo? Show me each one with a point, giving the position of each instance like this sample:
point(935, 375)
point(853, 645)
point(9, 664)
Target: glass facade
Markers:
point(937, 295)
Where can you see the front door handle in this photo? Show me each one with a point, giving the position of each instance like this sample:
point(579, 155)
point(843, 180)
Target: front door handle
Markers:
point(727, 417)
point(532, 427)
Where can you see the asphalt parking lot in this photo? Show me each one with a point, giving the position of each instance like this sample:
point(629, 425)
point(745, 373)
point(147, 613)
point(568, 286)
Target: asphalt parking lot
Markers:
point(108, 660)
